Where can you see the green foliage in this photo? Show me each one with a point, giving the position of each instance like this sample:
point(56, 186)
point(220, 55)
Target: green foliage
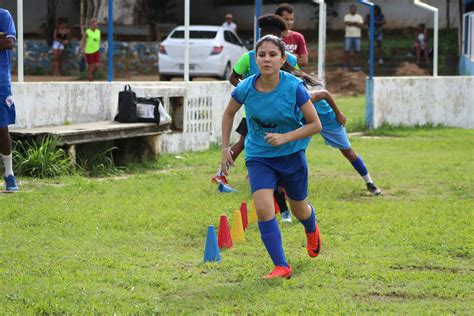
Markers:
point(99, 164)
point(448, 52)
point(41, 160)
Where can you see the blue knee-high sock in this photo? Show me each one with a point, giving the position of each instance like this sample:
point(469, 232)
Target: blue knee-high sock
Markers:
point(309, 223)
point(359, 165)
point(271, 238)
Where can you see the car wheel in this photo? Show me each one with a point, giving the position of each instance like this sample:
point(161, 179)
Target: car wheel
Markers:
point(165, 78)
point(227, 71)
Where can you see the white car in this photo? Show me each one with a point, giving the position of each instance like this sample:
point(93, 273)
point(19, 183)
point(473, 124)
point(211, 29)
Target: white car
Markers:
point(213, 52)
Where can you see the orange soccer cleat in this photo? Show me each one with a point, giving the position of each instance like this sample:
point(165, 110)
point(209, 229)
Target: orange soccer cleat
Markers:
point(314, 242)
point(279, 272)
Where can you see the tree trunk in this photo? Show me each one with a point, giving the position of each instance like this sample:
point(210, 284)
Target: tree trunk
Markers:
point(51, 20)
point(126, 12)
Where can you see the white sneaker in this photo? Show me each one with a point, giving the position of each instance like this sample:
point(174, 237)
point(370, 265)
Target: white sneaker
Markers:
point(286, 217)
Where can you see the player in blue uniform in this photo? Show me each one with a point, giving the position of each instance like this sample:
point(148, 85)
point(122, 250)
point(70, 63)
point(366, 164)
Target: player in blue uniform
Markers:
point(7, 106)
point(275, 146)
point(334, 134)
point(245, 66)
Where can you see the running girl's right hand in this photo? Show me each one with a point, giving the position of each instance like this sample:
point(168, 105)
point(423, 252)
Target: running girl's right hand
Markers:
point(341, 118)
point(226, 160)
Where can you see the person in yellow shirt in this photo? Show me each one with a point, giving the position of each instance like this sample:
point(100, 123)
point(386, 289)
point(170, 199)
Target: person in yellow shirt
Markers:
point(354, 23)
point(90, 45)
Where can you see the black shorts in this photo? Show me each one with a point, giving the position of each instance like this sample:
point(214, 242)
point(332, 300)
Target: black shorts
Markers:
point(242, 128)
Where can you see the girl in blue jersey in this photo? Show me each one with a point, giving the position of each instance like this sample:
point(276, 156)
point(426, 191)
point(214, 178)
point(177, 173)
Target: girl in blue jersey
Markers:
point(275, 146)
point(334, 134)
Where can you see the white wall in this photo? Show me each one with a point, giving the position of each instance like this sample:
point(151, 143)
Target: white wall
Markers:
point(424, 100)
point(55, 103)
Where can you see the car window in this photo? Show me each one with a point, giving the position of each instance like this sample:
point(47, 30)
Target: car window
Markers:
point(195, 34)
point(227, 37)
point(236, 40)
point(231, 38)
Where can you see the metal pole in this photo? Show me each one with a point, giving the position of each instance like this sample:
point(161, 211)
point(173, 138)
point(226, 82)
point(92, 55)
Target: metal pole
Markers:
point(20, 40)
point(321, 38)
point(186, 39)
point(420, 4)
point(435, 44)
point(371, 36)
point(110, 37)
point(371, 43)
point(256, 37)
point(369, 82)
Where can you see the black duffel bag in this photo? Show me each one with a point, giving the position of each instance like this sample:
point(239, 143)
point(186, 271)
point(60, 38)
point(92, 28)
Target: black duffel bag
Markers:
point(127, 106)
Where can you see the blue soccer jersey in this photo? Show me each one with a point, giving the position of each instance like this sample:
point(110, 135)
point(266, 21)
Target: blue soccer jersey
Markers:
point(322, 107)
point(7, 27)
point(272, 112)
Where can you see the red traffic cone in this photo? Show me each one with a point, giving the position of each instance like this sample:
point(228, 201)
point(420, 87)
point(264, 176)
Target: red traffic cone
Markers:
point(244, 213)
point(224, 240)
point(277, 208)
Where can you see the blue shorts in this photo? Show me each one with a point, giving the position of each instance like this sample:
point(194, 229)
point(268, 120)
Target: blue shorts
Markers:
point(7, 107)
point(290, 172)
point(333, 132)
point(352, 42)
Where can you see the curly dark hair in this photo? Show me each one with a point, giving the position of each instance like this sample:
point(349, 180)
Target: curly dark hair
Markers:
point(307, 79)
point(272, 21)
point(282, 7)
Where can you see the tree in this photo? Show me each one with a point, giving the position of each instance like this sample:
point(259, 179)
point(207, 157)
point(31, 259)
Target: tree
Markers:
point(50, 24)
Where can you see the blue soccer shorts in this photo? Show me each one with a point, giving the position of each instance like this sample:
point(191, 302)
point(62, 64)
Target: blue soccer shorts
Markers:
point(7, 107)
point(290, 172)
point(333, 132)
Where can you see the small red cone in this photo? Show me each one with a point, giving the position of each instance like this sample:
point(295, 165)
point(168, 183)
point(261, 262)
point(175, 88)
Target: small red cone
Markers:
point(277, 208)
point(244, 213)
point(224, 240)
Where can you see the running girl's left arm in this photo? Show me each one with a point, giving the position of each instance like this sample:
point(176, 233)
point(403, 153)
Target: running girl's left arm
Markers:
point(312, 126)
point(324, 94)
point(227, 122)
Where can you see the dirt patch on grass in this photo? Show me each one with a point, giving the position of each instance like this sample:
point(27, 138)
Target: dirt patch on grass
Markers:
point(403, 296)
point(342, 81)
point(431, 268)
point(411, 69)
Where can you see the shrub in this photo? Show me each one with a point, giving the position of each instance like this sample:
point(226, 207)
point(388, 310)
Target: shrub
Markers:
point(41, 160)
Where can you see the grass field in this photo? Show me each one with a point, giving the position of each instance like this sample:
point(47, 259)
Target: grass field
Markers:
point(134, 244)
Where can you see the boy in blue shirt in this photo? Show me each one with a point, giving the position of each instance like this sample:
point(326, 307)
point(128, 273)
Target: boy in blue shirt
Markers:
point(7, 106)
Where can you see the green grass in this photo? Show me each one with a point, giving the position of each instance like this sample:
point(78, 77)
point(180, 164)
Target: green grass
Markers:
point(134, 244)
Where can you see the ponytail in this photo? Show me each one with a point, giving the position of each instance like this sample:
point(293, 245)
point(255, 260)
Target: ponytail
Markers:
point(307, 79)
